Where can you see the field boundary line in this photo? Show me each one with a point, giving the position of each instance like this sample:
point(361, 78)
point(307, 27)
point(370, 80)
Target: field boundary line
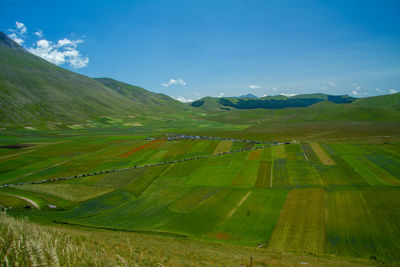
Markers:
point(272, 177)
point(238, 205)
point(17, 154)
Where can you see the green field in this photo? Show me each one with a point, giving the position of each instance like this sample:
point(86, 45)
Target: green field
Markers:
point(289, 197)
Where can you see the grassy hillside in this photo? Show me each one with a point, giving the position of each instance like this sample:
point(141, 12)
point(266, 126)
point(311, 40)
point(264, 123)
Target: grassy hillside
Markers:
point(148, 101)
point(35, 92)
point(323, 111)
point(385, 101)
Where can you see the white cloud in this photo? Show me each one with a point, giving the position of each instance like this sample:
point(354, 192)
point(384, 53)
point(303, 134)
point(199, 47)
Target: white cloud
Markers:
point(196, 94)
point(21, 28)
point(253, 86)
point(38, 33)
point(275, 89)
point(174, 82)
point(287, 94)
point(64, 51)
point(16, 39)
point(332, 83)
point(392, 91)
point(378, 90)
point(17, 33)
point(323, 87)
point(221, 95)
point(182, 99)
point(265, 95)
point(354, 92)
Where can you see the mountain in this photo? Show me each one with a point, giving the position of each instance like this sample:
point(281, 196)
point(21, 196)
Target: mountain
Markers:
point(269, 102)
point(36, 92)
point(246, 96)
point(147, 100)
point(391, 101)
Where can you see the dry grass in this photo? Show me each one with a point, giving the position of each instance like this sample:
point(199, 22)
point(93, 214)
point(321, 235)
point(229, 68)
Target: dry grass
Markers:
point(23, 243)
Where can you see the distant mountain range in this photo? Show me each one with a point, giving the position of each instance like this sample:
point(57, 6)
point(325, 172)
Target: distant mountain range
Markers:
point(36, 92)
point(268, 102)
point(246, 96)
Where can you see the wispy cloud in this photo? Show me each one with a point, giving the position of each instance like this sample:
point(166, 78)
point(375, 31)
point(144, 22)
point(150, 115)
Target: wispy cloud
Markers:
point(221, 95)
point(21, 27)
point(174, 82)
point(63, 51)
point(16, 38)
point(354, 92)
point(275, 89)
point(253, 86)
point(378, 90)
point(38, 33)
point(332, 83)
point(182, 99)
point(392, 91)
point(17, 33)
point(196, 94)
point(288, 95)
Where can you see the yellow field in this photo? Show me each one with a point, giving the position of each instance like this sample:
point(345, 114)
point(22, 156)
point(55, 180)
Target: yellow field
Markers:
point(299, 226)
point(324, 158)
point(223, 146)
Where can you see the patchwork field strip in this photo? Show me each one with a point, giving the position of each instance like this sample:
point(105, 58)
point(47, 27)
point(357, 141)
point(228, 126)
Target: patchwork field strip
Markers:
point(323, 157)
point(264, 176)
point(141, 166)
point(223, 146)
point(363, 223)
point(301, 225)
point(150, 144)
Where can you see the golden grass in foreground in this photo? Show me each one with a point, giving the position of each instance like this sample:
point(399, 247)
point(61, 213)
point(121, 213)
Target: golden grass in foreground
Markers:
point(28, 244)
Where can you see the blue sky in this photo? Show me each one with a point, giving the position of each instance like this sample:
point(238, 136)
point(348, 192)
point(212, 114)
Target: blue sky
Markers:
point(191, 49)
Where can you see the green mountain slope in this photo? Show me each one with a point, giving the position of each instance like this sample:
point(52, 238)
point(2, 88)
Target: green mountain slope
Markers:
point(147, 100)
point(36, 92)
point(384, 101)
point(322, 111)
point(269, 102)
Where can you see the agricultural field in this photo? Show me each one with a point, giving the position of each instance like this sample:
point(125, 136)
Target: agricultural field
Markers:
point(320, 197)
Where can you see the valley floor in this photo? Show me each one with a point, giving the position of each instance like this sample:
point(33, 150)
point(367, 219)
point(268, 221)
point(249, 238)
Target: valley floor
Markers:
point(328, 201)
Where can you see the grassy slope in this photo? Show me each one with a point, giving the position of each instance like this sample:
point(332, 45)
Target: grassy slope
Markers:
point(149, 101)
point(36, 92)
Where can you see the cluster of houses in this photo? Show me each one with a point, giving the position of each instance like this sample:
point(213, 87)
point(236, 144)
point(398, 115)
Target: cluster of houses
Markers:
point(172, 137)
point(160, 163)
